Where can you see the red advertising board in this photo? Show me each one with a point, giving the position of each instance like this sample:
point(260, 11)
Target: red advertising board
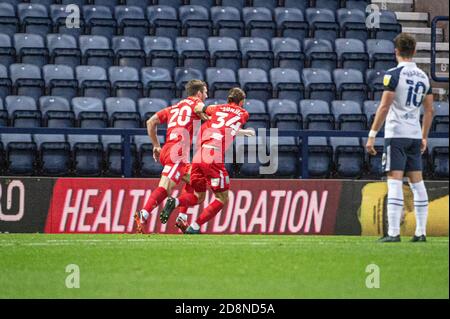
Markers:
point(81, 205)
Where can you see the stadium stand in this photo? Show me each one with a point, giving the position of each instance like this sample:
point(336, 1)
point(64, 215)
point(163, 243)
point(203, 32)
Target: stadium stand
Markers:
point(311, 65)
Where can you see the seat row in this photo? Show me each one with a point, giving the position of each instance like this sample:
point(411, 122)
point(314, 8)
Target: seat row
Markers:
point(93, 155)
point(55, 111)
point(198, 21)
point(156, 82)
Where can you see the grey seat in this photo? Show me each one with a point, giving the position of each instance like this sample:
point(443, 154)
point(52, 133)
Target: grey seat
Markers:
point(220, 81)
point(28, 80)
point(350, 85)
point(93, 81)
point(224, 53)
point(158, 83)
point(287, 84)
point(318, 84)
point(349, 116)
point(30, 48)
point(87, 154)
point(288, 53)
point(22, 111)
point(60, 80)
point(96, 50)
point(63, 49)
point(160, 52)
point(128, 51)
point(122, 112)
point(147, 107)
point(125, 82)
point(255, 83)
point(89, 112)
point(192, 53)
point(316, 115)
point(56, 111)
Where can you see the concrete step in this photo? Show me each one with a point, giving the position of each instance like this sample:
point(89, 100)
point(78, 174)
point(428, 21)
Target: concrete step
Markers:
point(442, 65)
point(424, 50)
point(424, 34)
point(395, 5)
point(413, 19)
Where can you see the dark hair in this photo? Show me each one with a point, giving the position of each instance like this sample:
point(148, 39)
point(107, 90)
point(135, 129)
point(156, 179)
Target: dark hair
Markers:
point(235, 95)
point(405, 44)
point(194, 86)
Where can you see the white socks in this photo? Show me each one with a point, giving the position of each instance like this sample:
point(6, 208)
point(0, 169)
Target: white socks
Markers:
point(144, 215)
point(195, 226)
point(420, 206)
point(394, 206)
point(183, 216)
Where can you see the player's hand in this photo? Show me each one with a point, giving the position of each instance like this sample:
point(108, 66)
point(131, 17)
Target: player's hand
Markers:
point(423, 145)
point(249, 132)
point(156, 153)
point(204, 116)
point(370, 146)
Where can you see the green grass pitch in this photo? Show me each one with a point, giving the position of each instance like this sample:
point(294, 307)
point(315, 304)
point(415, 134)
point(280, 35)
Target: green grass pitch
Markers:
point(215, 266)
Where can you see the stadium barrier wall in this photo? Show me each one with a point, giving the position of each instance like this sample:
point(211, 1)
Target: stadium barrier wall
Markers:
point(291, 207)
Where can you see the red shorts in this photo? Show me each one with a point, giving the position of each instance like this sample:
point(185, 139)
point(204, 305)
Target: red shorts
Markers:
point(174, 167)
point(205, 173)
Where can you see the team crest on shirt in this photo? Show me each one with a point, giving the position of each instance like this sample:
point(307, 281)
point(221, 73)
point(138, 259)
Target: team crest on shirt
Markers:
point(387, 79)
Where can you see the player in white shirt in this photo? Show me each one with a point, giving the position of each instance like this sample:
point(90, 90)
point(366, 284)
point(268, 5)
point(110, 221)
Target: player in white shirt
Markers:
point(406, 89)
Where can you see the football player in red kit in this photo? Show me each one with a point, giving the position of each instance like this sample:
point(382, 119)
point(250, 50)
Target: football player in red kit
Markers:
point(174, 156)
point(208, 168)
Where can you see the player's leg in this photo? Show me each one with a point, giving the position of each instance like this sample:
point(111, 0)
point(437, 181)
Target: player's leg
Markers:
point(417, 185)
point(394, 161)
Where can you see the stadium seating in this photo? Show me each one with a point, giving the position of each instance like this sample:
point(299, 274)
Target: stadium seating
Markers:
point(310, 65)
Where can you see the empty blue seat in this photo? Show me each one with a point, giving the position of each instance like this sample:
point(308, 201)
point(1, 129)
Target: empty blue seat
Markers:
point(125, 82)
point(327, 4)
point(323, 24)
point(238, 4)
point(348, 156)
point(316, 115)
point(389, 28)
point(87, 154)
point(128, 51)
point(440, 120)
point(148, 167)
point(5, 82)
point(27, 80)
point(56, 112)
point(132, 21)
point(381, 54)
point(9, 23)
point(112, 145)
point(59, 14)
point(89, 112)
point(255, 83)
point(350, 85)
point(111, 4)
point(352, 54)
point(298, 4)
point(171, 3)
point(34, 18)
point(288, 157)
point(369, 109)
point(320, 157)
point(246, 156)
point(374, 80)
point(20, 154)
point(438, 150)
point(374, 162)
point(291, 23)
point(357, 4)
point(318, 84)
point(284, 114)
point(220, 81)
point(3, 116)
point(348, 116)
point(160, 53)
point(54, 154)
point(224, 53)
point(99, 21)
point(259, 22)
point(204, 3)
point(184, 75)
point(22, 111)
point(288, 53)
point(227, 22)
point(320, 53)
point(93, 81)
point(158, 83)
point(195, 21)
point(256, 53)
point(63, 49)
point(60, 80)
point(192, 53)
point(259, 118)
point(287, 84)
point(353, 24)
point(270, 4)
point(7, 51)
point(122, 112)
point(164, 21)
point(96, 51)
point(30, 48)
point(148, 106)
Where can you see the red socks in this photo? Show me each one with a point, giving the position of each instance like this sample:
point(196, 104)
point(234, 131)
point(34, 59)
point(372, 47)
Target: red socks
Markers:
point(187, 197)
point(157, 196)
point(209, 212)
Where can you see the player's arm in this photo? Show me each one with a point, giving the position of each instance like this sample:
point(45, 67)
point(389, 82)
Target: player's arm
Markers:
point(427, 120)
point(246, 132)
point(152, 124)
point(200, 110)
point(380, 117)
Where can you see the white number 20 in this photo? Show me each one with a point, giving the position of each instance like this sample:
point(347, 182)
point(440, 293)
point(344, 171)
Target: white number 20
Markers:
point(180, 116)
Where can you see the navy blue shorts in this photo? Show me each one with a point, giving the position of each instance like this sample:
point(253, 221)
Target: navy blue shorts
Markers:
point(402, 154)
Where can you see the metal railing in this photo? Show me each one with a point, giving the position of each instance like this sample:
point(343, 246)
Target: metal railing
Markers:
point(433, 48)
point(126, 135)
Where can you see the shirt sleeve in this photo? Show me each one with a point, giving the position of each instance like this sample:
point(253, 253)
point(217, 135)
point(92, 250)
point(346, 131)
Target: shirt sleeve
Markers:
point(430, 90)
point(210, 110)
point(163, 115)
point(390, 79)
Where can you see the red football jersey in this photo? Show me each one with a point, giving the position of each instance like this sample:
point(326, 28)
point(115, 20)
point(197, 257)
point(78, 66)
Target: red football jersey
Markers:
point(225, 121)
point(180, 120)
